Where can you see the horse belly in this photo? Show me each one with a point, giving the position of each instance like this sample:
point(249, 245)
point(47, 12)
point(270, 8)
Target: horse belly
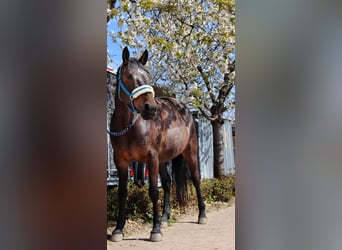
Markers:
point(173, 144)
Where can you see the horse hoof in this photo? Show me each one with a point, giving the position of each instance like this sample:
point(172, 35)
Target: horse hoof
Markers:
point(164, 224)
point(117, 236)
point(155, 237)
point(202, 220)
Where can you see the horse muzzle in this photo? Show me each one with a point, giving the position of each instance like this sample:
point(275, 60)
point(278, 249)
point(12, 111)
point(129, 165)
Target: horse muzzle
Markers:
point(149, 111)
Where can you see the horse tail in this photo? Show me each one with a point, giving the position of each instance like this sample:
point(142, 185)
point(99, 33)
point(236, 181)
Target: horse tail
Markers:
point(181, 174)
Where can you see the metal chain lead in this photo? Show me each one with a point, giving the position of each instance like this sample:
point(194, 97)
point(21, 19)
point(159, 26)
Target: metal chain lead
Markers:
point(125, 130)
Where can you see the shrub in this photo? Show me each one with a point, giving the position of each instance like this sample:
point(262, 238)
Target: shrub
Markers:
point(112, 203)
point(139, 205)
point(222, 190)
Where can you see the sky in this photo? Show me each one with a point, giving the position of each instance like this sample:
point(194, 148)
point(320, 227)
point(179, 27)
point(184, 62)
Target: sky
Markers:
point(113, 49)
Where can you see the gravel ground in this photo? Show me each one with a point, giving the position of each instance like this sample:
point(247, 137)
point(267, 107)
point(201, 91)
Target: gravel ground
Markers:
point(185, 233)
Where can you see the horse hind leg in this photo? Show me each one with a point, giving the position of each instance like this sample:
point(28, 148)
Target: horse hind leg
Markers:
point(181, 173)
point(166, 184)
point(190, 155)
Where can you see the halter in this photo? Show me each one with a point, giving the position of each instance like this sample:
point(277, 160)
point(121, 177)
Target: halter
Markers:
point(132, 95)
point(135, 92)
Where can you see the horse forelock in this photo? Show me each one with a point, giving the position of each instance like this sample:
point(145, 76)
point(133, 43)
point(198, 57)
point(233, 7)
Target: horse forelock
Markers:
point(135, 67)
point(133, 63)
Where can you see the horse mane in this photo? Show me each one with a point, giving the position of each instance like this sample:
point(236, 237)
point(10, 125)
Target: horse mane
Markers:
point(171, 100)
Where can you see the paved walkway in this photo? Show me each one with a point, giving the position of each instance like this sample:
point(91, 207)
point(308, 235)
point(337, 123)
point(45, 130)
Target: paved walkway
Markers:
point(218, 233)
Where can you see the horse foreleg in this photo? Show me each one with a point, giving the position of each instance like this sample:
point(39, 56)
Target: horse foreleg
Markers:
point(154, 195)
point(117, 234)
point(166, 183)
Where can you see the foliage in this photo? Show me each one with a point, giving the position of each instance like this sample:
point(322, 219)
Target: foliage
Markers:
point(112, 204)
point(192, 44)
point(219, 189)
point(138, 202)
point(163, 91)
point(139, 205)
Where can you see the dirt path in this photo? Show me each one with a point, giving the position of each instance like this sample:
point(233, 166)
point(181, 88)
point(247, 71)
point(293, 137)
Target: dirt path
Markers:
point(218, 233)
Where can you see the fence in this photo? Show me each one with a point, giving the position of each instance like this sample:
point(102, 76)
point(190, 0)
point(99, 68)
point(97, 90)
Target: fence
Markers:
point(205, 148)
point(112, 176)
point(229, 163)
point(206, 151)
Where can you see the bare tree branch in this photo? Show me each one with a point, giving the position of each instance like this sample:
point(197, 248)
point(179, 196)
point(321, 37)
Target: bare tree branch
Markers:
point(207, 84)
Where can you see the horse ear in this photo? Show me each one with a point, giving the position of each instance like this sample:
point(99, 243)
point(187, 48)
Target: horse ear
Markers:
point(143, 58)
point(125, 56)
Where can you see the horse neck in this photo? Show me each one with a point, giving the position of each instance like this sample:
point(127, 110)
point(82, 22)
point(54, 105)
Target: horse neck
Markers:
point(121, 112)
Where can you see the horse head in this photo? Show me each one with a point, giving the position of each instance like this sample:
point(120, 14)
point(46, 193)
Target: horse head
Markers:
point(133, 80)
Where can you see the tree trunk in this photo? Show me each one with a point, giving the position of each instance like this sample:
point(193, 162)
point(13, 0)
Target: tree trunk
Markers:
point(218, 149)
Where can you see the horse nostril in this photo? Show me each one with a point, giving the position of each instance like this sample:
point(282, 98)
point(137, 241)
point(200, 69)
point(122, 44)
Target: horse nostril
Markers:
point(150, 108)
point(147, 107)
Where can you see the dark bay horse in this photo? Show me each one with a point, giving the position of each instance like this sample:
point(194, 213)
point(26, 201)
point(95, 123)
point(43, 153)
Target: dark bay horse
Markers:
point(153, 131)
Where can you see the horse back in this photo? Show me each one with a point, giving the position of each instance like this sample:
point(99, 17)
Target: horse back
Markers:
point(174, 113)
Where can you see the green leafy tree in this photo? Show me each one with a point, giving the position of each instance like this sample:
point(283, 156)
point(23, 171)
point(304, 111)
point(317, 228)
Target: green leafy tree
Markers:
point(192, 44)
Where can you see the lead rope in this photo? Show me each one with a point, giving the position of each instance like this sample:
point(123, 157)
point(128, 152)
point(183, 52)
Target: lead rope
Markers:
point(125, 130)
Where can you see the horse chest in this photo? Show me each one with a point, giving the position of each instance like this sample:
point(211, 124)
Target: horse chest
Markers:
point(142, 142)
